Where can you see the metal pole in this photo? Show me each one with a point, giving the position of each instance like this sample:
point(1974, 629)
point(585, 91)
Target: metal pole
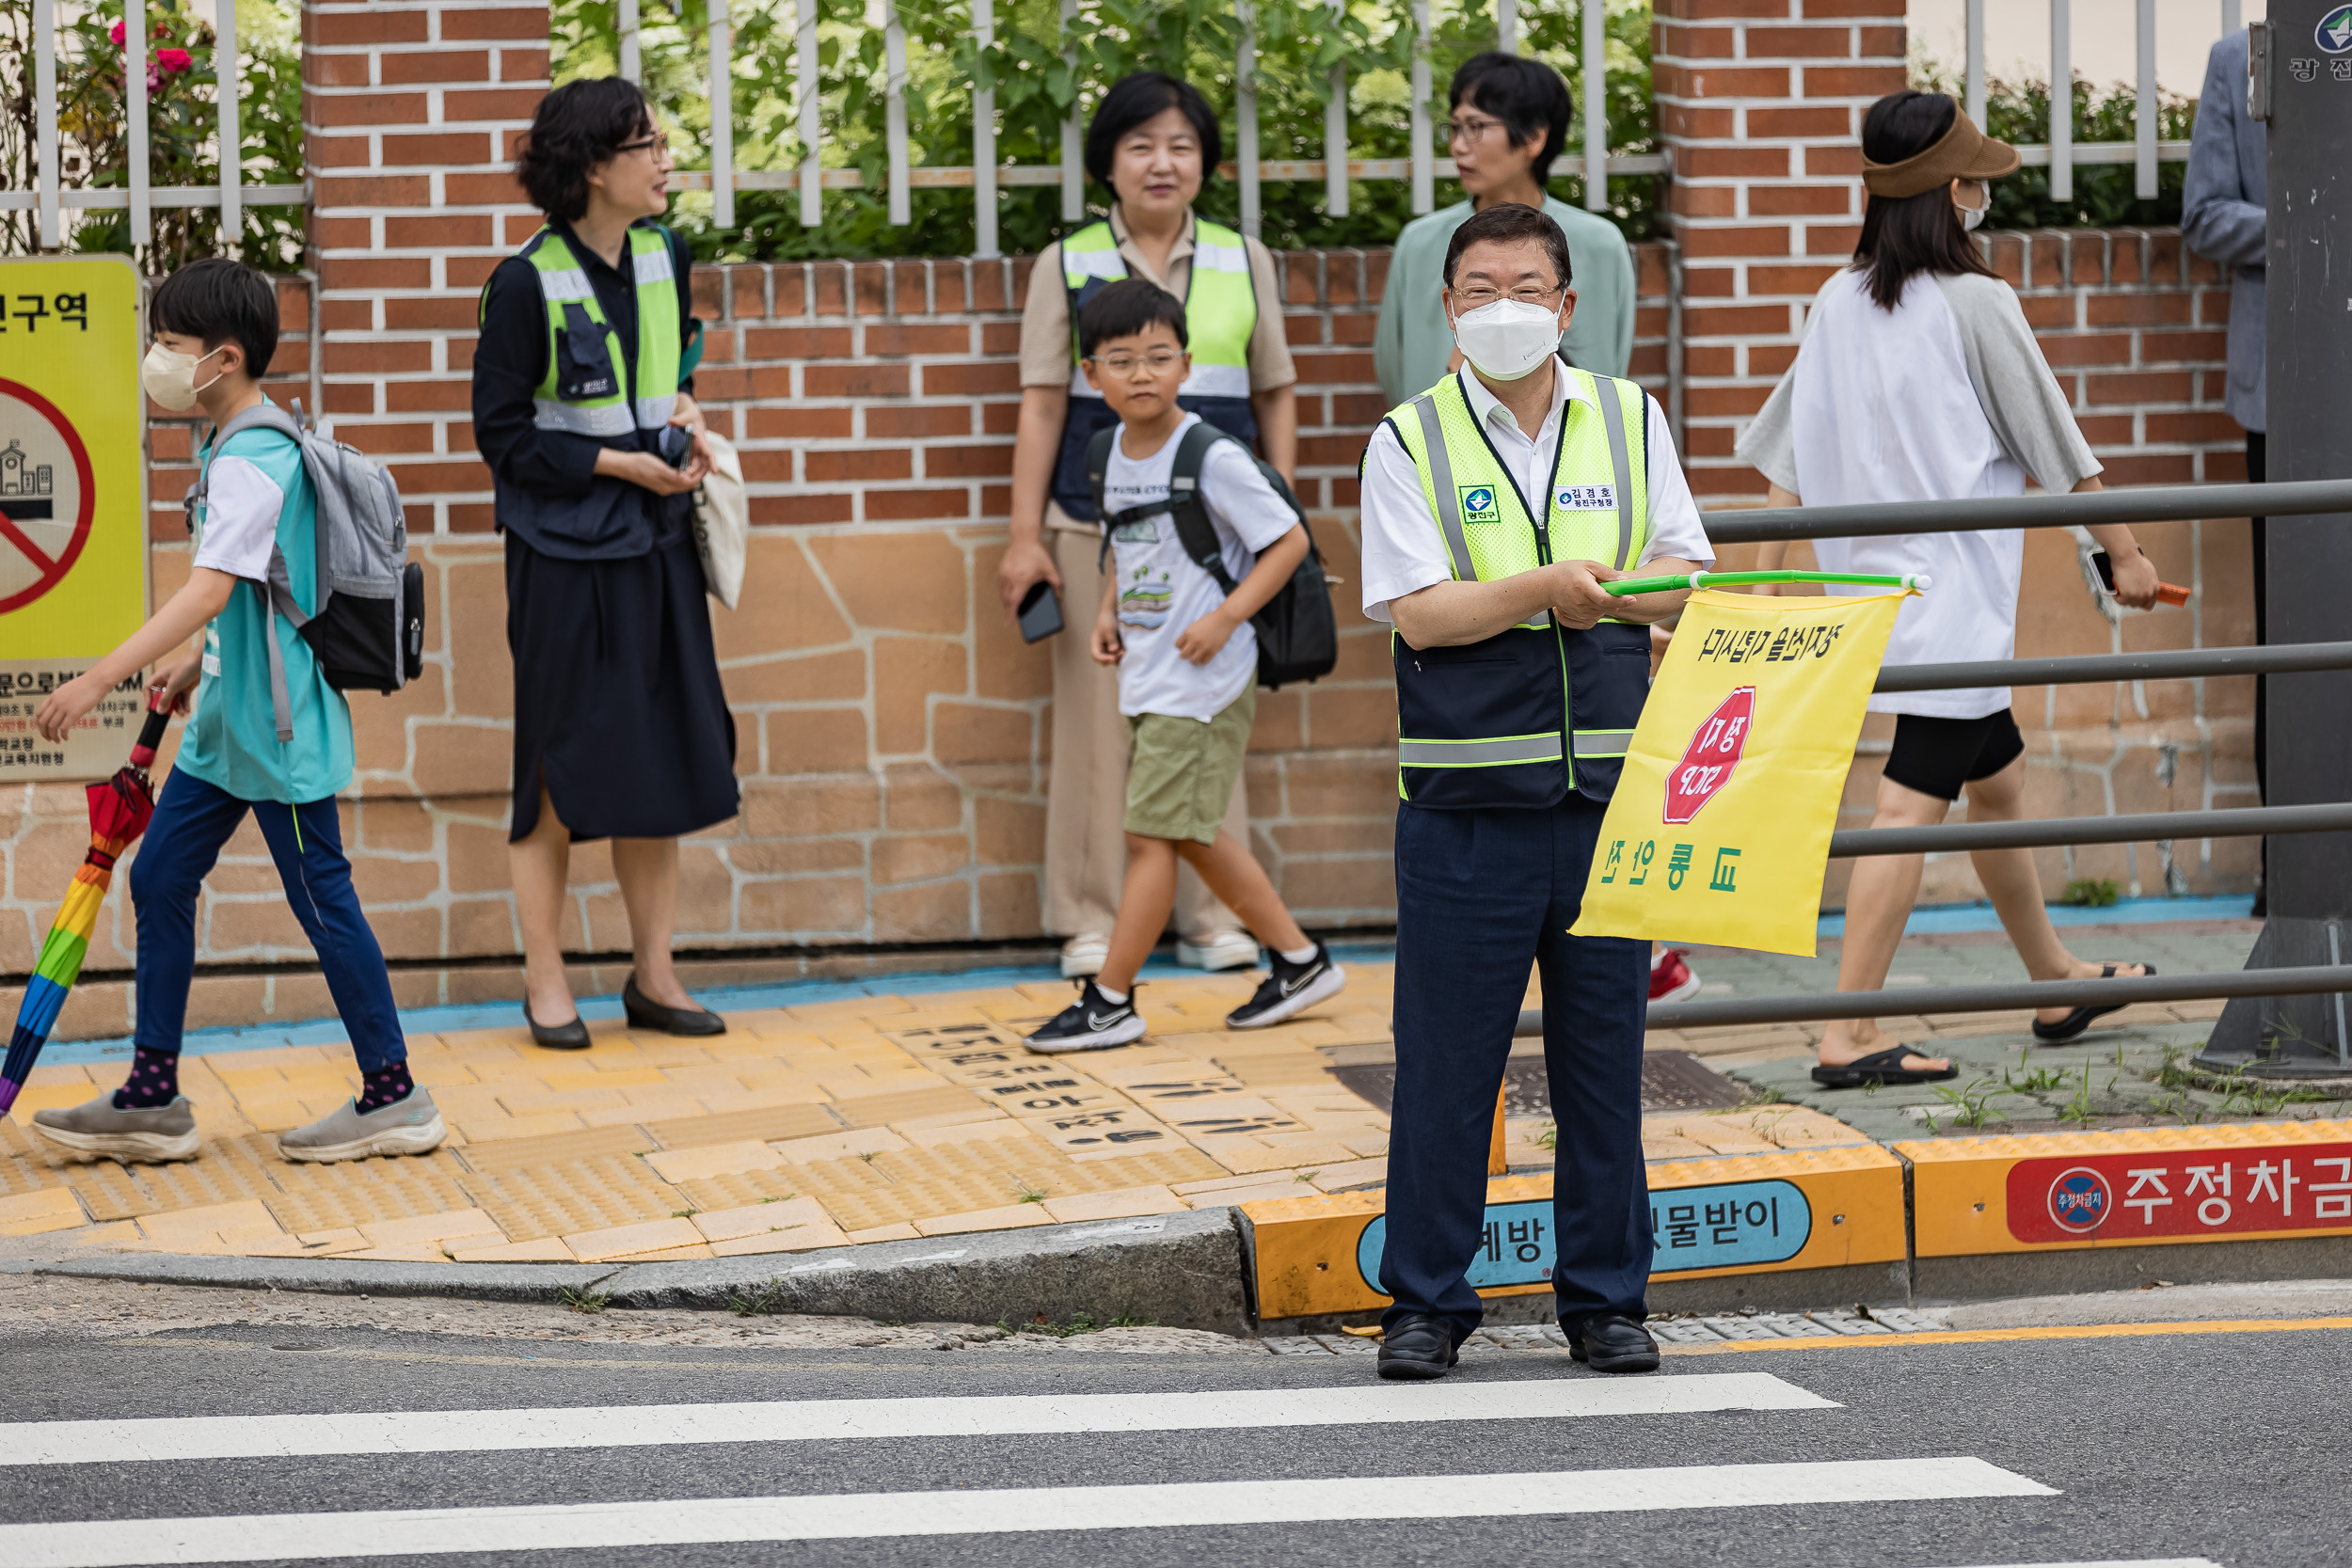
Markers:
point(1507, 25)
point(2155, 505)
point(1975, 62)
point(51, 211)
point(895, 113)
point(2135, 828)
point(722, 116)
point(984, 138)
point(1335, 134)
point(632, 67)
point(231, 138)
point(2231, 17)
point(2061, 102)
point(1424, 160)
point(2308, 365)
point(1595, 48)
point(2144, 104)
point(2073, 668)
point(1246, 118)
point(811, 129)
point(2313, 982)
point(134, 77)
point(1074, 174)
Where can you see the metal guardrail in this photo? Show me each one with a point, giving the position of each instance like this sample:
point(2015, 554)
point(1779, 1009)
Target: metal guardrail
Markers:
point(2151, 504)
point(2317, 980)
point(2139, 828)
point(2078, 668)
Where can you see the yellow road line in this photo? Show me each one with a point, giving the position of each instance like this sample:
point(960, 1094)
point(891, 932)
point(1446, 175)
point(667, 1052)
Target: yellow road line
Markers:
point(1995, 1336)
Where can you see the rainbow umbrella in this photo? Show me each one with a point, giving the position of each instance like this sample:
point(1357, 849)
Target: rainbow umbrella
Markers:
point(118, 810)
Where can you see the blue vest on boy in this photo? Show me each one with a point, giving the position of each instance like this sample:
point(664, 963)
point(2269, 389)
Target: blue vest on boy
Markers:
point(1220, 313)
point(1535, 711)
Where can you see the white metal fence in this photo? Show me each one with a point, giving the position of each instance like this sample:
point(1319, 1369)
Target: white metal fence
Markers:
point(985, 176)
point(50, 197)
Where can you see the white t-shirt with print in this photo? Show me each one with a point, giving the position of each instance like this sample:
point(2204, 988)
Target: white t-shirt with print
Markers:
point(1161, 591)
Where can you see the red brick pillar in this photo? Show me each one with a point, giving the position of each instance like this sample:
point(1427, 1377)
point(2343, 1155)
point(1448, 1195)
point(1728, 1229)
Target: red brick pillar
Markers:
point(410, 108)
point(1761, 102)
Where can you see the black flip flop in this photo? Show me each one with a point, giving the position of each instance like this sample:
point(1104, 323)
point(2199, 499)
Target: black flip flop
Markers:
point(2081, 1019)
point(1880, 1067)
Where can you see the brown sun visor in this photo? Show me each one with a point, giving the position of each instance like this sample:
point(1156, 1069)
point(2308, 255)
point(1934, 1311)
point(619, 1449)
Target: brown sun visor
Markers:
point(1962, 153)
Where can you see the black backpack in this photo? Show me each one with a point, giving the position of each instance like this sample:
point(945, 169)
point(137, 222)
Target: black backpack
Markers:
point(1298, 638)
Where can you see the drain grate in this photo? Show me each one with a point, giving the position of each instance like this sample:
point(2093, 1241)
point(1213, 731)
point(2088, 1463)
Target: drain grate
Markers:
point(1670, 1080)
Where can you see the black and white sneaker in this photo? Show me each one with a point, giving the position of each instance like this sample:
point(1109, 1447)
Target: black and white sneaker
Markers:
point(1090, 1023)
point(1290, 988)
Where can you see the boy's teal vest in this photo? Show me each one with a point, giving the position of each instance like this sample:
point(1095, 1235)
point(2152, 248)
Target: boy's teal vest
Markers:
point(1536, 711)
point(1220, 313)
point(593, 387)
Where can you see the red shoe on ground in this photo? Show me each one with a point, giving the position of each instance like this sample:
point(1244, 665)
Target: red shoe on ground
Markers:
point(1670, 978)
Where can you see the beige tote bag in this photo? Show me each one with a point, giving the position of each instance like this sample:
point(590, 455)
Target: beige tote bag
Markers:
point(722, 520)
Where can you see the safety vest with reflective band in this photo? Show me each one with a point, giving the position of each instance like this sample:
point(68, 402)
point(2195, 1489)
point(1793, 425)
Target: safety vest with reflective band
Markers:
point(588, 390)
point(1535, 711)
point(1220, 313)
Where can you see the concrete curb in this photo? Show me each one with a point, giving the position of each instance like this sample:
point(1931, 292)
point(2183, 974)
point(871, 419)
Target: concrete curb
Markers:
point(1181, 1270)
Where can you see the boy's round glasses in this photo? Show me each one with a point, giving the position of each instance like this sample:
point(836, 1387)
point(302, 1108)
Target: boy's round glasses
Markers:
point(1159, 363)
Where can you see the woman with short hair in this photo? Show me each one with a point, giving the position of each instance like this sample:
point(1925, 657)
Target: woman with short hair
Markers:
point(596, 446)
point(1151, 144)
point(1919, 380)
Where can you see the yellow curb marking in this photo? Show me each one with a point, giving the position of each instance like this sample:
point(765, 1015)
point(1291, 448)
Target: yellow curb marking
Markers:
point(1992, 1336)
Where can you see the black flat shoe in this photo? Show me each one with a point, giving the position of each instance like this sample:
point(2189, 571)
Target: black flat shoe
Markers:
point(1609, 1343)
point(2083, 1018)
point(559, 1036)
point(1420, 1348)
point(645, 1013)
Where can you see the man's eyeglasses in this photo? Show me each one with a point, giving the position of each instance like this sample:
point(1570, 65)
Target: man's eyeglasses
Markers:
point(1526, 293)
point(1122, 365)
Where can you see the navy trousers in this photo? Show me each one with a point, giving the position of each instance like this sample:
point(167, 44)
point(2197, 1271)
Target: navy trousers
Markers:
point(192, 820)
point(1479, 894)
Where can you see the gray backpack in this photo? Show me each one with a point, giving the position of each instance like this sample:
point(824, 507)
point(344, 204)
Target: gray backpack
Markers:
point(367, 630)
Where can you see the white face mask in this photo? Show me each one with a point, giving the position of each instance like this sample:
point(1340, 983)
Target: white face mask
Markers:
point(1971, 216)
point(168, 377)
point(1509, 338)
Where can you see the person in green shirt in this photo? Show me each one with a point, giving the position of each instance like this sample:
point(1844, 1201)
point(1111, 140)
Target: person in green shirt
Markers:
point(1510, 117)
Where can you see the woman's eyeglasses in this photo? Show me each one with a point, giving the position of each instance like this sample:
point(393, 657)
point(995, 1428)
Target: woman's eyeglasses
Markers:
point(659, 145)
point(1467, 128)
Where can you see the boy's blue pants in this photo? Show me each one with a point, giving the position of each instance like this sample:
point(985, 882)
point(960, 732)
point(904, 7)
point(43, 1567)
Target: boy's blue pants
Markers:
point(192, 820)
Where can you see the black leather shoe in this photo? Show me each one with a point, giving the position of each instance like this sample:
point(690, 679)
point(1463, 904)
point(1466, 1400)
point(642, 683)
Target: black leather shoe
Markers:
point(1419, 1348)
point(558, 1036)
point(645, 1013)
point(1609, 1344)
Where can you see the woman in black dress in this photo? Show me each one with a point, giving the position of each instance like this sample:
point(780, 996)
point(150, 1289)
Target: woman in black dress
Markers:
point(621, 726)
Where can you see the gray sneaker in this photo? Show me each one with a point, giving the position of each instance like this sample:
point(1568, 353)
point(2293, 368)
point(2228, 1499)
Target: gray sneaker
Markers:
point(411, 1125)
point(97, 1130)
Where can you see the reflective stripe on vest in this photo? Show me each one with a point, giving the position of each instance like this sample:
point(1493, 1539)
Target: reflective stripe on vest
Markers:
point(1220, 304)
point(1593, 507)
point(647, 403)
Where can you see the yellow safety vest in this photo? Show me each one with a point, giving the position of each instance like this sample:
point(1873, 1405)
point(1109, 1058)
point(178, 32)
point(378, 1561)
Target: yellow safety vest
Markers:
point(1535, 711)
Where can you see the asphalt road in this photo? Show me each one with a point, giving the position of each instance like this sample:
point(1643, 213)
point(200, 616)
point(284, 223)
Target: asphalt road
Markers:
point(2218, 1445)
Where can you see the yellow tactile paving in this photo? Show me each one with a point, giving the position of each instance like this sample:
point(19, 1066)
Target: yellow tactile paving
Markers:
point(860, 1120)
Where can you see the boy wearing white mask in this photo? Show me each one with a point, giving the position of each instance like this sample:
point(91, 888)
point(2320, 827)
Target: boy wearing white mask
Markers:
point(1495, 506)
point(215, 329)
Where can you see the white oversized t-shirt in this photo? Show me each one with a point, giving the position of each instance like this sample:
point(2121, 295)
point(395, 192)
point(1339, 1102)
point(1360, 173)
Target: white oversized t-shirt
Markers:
point(1161, 591)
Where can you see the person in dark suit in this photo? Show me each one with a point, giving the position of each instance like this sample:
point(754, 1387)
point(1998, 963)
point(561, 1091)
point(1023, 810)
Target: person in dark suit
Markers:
point(2222, 211)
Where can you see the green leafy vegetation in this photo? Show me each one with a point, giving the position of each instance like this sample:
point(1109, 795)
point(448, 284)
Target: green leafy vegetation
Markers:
point(590, 1301)
point(2089, 893)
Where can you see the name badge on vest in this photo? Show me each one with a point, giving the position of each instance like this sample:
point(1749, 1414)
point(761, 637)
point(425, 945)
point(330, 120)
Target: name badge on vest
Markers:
point(1479, 504)
point(583, 369)
point(1588, 498)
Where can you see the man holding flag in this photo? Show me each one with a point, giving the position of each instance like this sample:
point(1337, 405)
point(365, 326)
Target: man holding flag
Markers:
point(1495, 506)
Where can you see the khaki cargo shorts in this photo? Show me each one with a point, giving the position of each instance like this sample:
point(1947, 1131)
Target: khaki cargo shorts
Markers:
point(1181, 773)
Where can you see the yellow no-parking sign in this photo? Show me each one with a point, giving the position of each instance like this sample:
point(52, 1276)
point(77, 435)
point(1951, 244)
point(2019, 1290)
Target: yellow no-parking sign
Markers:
point(1719, 830)
point(73, 503)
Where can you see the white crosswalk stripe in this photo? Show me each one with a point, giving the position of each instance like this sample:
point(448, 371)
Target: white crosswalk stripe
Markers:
point(257, 1538)
point(414, 1432)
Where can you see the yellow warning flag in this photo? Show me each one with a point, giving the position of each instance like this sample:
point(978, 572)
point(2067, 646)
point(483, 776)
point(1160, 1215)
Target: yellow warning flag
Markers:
point(1719, 831)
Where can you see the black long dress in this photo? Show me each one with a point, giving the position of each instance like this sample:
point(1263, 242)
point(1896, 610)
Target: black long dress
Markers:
point(618, 705)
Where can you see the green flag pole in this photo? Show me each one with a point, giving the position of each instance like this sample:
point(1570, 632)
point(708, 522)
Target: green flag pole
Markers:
point(1915, 582)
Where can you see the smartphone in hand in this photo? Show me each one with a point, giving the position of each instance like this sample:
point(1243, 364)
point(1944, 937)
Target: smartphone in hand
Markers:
point(1041, 613)
point(2167, 593)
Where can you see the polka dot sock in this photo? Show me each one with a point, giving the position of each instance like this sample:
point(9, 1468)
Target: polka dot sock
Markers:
point(154, 1080)
point(384, 1087)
